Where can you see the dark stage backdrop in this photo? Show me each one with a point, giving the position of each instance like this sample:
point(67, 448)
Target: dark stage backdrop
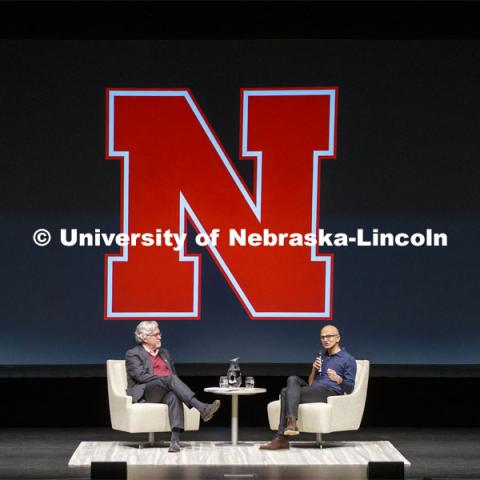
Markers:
point(408, 153)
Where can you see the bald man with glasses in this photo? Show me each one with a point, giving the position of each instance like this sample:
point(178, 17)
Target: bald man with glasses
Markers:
point(333, 373)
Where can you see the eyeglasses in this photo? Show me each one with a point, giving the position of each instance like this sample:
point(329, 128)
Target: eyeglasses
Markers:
point(155, 335)
point(327, 337)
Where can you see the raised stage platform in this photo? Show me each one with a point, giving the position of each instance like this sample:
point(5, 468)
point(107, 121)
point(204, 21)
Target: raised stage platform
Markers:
point(202, 460)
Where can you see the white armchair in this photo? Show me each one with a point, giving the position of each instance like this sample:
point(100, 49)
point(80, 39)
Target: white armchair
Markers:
point(127, 416)
point(340, 413)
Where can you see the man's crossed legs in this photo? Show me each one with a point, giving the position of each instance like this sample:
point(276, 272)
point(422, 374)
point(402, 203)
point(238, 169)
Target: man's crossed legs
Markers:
point(174, 392)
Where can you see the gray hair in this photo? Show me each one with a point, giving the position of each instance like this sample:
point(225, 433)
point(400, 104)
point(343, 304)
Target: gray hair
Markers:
point(144, 329)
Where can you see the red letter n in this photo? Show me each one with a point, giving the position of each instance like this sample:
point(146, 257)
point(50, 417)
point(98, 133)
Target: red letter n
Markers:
point(175, 171)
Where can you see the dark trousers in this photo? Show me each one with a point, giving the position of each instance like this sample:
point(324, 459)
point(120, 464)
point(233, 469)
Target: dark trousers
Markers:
point(173, 392)
point(299, 391)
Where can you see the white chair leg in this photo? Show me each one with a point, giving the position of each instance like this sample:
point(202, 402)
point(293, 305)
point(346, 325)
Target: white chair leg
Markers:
point(319, 440)
point(151, 439)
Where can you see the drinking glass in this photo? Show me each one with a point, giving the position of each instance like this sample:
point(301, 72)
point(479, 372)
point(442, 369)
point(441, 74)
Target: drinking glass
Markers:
point(223, 382)
point(249, 382)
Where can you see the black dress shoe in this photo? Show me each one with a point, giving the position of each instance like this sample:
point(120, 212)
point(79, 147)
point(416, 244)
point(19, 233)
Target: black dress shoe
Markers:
point(174, 447)
point(210, 410)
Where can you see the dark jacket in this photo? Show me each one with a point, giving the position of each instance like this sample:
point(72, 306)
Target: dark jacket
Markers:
point(140, 370)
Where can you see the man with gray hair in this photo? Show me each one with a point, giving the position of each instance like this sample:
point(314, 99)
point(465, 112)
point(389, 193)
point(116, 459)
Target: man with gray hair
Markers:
point(152, 378)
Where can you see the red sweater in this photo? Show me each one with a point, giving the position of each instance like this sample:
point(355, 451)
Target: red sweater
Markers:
point(159, 366)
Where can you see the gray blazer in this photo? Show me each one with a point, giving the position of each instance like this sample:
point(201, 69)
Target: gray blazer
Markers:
point(140, 370)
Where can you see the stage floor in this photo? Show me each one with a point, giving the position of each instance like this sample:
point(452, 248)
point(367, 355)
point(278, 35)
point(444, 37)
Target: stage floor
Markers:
point(44, 453)
point(304, 460)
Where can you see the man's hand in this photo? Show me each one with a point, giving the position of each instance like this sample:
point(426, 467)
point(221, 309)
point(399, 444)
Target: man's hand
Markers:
point(332, 375)
point(317, 363)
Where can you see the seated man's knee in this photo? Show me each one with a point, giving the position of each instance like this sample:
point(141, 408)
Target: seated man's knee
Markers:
point(292, 379)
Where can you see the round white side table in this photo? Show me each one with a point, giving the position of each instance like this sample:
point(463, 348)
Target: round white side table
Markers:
point(234, 393)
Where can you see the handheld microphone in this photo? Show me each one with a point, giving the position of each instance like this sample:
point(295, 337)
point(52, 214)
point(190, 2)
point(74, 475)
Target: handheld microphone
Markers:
point(320, 353)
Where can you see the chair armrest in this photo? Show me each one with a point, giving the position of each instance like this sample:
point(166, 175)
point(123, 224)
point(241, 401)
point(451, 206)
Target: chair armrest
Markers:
point(121, 402)
point(347, 411)
point(341, 399)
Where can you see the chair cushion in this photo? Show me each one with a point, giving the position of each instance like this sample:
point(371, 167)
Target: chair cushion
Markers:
point(312, 417)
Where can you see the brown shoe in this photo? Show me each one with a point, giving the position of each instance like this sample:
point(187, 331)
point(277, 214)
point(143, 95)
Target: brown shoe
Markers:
point(210, 410)
point(278, 442)
point(291, 427)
